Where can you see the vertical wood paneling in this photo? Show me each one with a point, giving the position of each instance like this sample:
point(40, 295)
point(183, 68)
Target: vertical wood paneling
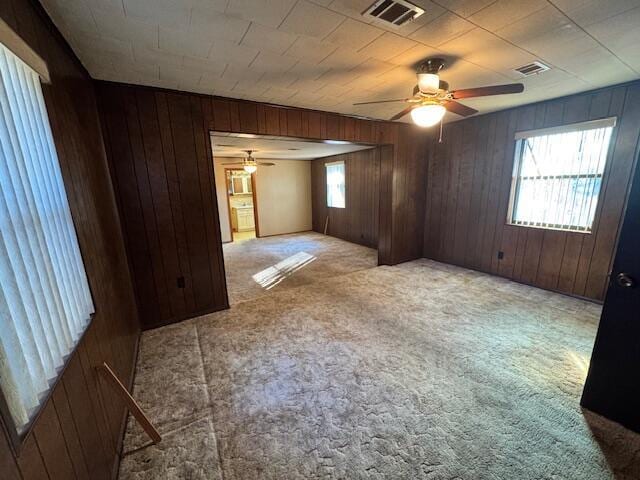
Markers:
point(409, 179)
point(475, 191)
point(125, 182)
point(495, 151)
point(234, 115)
point(315, 125)
point(8, 465)
point(70, 433)
point(168, 135)
point(134, 152)
point(248, 117)
point(469, 185)
point(333, 127)
point(104, 400)
point(204, 164)
point(53, 448)
point(160, 193)
point(465, 187)
point(175, 199)
point(66, 441)
point(30, 461)
point(221, 116)
point(88, 419)
point(183, 141)
point(358, 222)
point(385, 206)
point(283, 121)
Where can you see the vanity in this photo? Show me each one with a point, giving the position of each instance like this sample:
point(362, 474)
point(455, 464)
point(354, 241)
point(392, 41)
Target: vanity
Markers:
point(242, 218)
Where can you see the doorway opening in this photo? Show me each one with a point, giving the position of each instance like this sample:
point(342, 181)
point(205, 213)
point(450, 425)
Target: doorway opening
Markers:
point(241, 204)
point(297, 211)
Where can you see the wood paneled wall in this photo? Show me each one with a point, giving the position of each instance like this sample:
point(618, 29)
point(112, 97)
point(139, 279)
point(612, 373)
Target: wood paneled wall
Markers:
point(468, 192)
point(160, 155)
point(78, 432)
point(358, 221)
point(162, 169)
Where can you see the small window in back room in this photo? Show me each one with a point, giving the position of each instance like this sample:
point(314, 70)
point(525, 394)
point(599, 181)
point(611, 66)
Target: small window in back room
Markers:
point(558, 174)
point(335, 185)
point(45, 300)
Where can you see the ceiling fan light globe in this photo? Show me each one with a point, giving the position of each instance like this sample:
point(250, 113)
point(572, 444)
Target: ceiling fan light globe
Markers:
point(428, 82)
point(427, 115)
point(250, 168)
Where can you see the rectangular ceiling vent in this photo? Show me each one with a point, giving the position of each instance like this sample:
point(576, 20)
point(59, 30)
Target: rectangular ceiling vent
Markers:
point(395, 13)
point(532, 68)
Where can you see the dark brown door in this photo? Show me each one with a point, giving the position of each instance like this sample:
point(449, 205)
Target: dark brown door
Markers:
point(612, 388)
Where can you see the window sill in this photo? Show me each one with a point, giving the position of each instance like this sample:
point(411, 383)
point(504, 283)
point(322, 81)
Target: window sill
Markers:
point(554, 229)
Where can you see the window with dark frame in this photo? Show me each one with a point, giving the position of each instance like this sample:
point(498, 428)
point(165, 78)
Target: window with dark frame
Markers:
point(45, 299)
point(557, 175)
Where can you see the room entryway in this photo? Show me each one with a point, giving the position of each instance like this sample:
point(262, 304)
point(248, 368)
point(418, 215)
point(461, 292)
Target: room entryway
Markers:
point(294, 211)
point(241, 204)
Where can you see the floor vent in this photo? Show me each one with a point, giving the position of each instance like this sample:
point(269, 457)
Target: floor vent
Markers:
point(532, 68)
point(395, 13)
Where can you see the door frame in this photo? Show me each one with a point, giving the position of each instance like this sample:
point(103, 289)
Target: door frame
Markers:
point(253, 196)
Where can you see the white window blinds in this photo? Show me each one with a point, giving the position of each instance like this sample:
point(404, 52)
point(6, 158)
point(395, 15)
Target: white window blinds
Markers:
point(45, 301)
point(335, 184)
point(558, 175)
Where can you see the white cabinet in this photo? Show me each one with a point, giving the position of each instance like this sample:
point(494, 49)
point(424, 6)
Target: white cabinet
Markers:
point(242, 219)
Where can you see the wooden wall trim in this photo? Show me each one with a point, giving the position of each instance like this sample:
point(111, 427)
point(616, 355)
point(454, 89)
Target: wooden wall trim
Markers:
point(468, 192)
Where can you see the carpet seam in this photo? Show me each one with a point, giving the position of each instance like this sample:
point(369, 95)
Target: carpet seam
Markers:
point(206, 382)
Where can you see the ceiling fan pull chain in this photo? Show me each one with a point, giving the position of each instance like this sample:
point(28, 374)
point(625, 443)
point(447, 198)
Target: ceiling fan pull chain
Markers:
point(440, 138)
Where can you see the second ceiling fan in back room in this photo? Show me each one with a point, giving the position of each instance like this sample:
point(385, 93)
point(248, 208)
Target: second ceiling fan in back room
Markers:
point(432, 97)
point(249, 164)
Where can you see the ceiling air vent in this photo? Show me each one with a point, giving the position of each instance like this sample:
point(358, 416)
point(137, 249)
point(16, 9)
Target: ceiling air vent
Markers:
point(393, 13)
point(532, 68)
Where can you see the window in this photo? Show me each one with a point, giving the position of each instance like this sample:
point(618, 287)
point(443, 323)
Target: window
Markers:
point(557, 175)
point(335, 185)
point(45, 301)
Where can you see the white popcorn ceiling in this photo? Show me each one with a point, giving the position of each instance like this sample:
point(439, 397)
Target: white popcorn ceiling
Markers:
point(325, 55)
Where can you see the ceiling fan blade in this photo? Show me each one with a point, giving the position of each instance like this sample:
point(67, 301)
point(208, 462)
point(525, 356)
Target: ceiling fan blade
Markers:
point(240, 164)
point(487, 91)
point(402, 113)
point(382, 101)
point(266, 164)
point(459, 108)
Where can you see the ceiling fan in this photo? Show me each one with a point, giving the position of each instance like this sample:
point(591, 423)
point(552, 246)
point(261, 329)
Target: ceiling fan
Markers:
point(249, 164)
point(432, 97)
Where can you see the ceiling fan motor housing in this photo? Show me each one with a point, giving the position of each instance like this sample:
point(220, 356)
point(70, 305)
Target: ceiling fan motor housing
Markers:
point(428, 79)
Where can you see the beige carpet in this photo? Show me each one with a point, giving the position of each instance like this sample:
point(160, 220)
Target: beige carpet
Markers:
point(258, 266)
point(419, 371)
